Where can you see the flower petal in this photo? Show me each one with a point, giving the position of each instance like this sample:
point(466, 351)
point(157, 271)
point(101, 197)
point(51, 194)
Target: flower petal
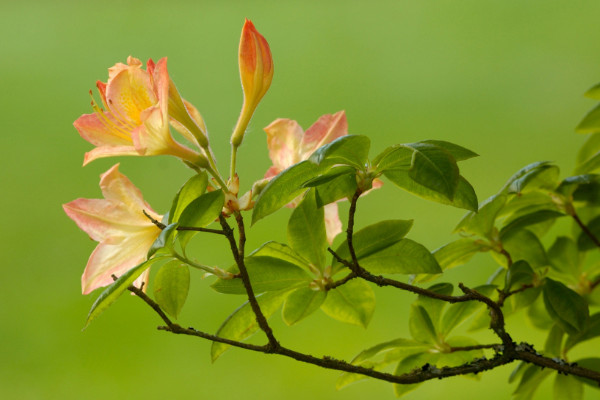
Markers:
point(130, 92)
point(102, 130)
point(283, 140)
point(327, 128)
point(108, 259)
point(109, 151)
point(333, 225)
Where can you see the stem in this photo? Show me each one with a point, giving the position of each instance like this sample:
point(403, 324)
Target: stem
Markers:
point(183, 228)
point(233, 160)
point(585, 229)
point(238, 255)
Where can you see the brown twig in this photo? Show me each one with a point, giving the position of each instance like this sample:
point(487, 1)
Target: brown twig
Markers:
point(585, 229)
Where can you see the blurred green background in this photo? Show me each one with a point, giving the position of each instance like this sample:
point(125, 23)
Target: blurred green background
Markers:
point(502, 78)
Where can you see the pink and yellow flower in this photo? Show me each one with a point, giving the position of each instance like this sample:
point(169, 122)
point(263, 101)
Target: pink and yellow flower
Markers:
point(256, 74)
point(119, 224)
point(135, 119)
point(289, 144)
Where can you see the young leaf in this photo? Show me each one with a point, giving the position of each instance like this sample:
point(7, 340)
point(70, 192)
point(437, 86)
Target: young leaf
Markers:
point(342, 187)
point(526, 220)
point(204, 210)
point(267, 274)
point(464, 195)
point(284, 188)
point(523, 175)
point(433, 306)
point(301, 303)
point(593, 92)
point(112, 292)
point(171, 285)
point(590, 332)
point(434, 168)
point(524, 245)
point(191, 190)
point(242, 322)
point(481, 223)
point(590, 165)
point(564, 256)
point(566, 307)
point(531, 379)
point(374, 238)
point(545, 176)
point(406, 347)
point(459, 153)
point(394, 157)
point(353, 303)
point(583, 241)
point(458, 252)
point(567, 388)
point(591, 122)
point(330, 175)
point(589, 148)
point(348, 150)
point(163, 240)
point(420, 325)
point(519, 273)
point(403, 257)
point(306, 231)
point(281, 251)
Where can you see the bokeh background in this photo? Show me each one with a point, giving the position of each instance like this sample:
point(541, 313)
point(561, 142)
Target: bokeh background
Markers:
point(502, 78)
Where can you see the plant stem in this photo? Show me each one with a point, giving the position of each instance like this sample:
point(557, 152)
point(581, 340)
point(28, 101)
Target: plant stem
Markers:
point(585, 229)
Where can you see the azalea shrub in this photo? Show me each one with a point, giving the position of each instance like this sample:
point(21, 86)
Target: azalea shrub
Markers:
point(547, 273)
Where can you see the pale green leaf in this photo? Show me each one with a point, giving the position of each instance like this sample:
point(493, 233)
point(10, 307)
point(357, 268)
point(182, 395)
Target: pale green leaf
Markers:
point(171, 285)
point(306, 231)
point(482, 222)
point(301, 303)
point(420, 325)
point(353, 302)
point(403, 257)
point(349, 150)
point(591, 122)
point(191, 190)
point(567, 388)
point(163, 240)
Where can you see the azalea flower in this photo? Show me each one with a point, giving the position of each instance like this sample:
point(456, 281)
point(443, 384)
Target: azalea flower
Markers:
point(135, 119)
point(288, 145)
point(119, 224)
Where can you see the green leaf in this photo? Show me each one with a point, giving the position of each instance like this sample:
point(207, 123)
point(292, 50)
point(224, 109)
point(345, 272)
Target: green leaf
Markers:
point(591, 122)
point(589, 148)
point(567, 388)
point(347, 378)
point(171, 285)
point(204, 210)
point(456, 358)
point(301, 303)
point(163, 240)
point(340, 188)
point(482, 222)
point(564, 256)
point(349, 150)
point(519, 273)
point(191, 190)
point(459, 153)
point(592, 363)
point(590, 332)
point(526, 220)
point(458, 252)
point(420, 325)
point(284, 188)
point(464, 196)
point(531, 379)
point(590, 165)
point(267, 274)
point(554, 341)
point(394, 157)
point(306, 231)
point(403, 257)
point(545, 176)
point(373, 238)
point(353, 302)
point(433, 306)
point(457, 313)
point(565, 306)
point(583, 241)
point(434, 168)
point(524, 245)
point(281, 251)
point(242, 322)
point(568, 186)
point(112, 292)
point(407, 365)
point(522, 176)
point(407, 347)
point(593, 92)
point(330, 175)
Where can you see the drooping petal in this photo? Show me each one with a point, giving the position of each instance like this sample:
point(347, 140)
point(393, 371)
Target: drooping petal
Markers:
point(327, 128)
point(117, 188)
point(283, 140)
point(108, 259)
point(333, 225)
point(102, 129)
point(109, 151)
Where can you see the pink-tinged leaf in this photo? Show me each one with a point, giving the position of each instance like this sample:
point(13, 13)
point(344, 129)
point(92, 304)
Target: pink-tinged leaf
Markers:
point(333, 225)
point(327, 128)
